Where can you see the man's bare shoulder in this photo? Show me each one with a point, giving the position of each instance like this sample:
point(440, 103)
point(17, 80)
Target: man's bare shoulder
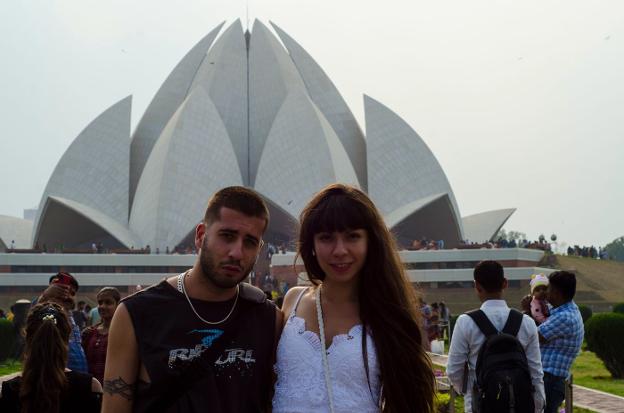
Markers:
point(173, 281)
point(121, 318)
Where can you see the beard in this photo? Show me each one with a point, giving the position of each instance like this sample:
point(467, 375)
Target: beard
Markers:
point(210, 269)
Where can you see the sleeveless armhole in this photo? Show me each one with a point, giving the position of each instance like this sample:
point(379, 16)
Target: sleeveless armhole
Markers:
point(81, 397)
point(294, 310)
point(10, 395)
point(80, 382)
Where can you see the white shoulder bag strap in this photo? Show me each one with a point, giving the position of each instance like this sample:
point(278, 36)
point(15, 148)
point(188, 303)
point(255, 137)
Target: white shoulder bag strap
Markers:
point(319, 316)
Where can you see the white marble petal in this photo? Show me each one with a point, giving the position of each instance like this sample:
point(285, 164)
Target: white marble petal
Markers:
point(164, 104)
point(94, 169)
point(302, 155)
point(272, 76)
point(223, 73)
point(192, 159)
point(401, 167)
point(15, 229)
point(327, 98)
point(485, 225)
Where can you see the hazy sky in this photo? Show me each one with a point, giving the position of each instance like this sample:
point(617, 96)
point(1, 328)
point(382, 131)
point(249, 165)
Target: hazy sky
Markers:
point(521, 102)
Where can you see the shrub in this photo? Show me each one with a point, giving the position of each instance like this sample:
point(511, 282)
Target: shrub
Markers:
point(586, 312)
point(603, 333)
point(442, 403)
point(618, 308)
point(7, 339)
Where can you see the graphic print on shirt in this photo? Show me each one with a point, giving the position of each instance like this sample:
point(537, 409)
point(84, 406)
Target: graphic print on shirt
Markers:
point(240, 359)
point(187, 354)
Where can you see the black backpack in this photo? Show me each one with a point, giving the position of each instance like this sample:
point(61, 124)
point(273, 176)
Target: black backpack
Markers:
point(503, 379)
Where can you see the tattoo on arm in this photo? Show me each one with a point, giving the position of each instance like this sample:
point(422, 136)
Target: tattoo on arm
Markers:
point(120, 387)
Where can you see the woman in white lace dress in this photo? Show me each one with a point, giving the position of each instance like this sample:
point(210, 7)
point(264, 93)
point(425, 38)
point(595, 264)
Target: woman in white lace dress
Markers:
point(351, 342)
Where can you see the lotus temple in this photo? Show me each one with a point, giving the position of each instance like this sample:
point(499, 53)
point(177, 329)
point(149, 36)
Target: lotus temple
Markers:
point(248, 108)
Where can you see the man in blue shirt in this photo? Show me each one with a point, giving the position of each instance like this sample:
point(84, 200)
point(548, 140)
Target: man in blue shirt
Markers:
point(64, 294)
point(561, 336)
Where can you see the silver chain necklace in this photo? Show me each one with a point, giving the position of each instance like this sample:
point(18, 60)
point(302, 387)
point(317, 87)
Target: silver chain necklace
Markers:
point(182, 289)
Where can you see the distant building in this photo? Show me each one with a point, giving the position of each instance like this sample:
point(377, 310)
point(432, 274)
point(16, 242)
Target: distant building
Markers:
point(240, 109)
point(30, 214)
point(444, 275)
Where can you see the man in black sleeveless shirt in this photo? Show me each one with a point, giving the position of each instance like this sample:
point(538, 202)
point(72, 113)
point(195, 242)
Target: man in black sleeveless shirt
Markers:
point(200, 341)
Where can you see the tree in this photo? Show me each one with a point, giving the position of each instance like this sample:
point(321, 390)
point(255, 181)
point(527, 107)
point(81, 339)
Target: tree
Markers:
point(615, 249)
point(516, 235)
point(502, 234)
point(510, 236)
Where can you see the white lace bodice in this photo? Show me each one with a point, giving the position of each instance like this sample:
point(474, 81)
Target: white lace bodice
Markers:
point(300, 386)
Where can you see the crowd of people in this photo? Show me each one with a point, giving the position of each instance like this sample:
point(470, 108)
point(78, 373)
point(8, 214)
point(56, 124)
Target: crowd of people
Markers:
point(504, 243)
point(100, 248)
point(203, 340)
point(423, 243)
point(64, 351)
point(540, 244)
point(588, 252)
point(435, 321)
point(430, 244)
point(426, 244)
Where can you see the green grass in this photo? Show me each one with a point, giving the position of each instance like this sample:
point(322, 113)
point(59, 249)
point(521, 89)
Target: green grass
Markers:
point(581, 410)
point(10, 366)
point(589, 371)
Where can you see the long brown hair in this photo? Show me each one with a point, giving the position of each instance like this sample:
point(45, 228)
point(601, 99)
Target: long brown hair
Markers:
point(45, 358)
point(388, 302)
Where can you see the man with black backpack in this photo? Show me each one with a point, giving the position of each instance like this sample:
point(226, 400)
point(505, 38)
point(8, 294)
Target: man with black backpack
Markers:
point(494, 358)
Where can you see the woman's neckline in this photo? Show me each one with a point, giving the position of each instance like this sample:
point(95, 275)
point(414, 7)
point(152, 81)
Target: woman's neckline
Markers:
point(349, 335)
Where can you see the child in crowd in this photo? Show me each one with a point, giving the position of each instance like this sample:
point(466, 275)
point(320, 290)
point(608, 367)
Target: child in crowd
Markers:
point(539, 305)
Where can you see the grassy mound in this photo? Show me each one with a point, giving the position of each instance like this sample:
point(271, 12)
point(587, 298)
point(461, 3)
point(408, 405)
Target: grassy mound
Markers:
point(599, 283)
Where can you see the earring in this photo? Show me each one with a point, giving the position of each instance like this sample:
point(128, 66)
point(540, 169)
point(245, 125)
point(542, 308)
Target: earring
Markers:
point(313, 253)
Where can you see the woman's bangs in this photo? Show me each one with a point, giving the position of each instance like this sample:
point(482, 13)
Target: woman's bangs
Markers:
point(337, 214)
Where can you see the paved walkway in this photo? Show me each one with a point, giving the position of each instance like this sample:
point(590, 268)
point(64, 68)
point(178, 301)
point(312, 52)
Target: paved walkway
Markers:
point(584, 397)
point(596, 400)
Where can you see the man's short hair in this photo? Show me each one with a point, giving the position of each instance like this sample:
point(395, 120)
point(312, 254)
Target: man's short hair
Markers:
point(490, 276)
point(564, 282)
point(238, 198)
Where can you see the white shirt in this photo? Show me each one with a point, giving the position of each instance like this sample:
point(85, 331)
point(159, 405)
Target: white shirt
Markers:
point(467, 340)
